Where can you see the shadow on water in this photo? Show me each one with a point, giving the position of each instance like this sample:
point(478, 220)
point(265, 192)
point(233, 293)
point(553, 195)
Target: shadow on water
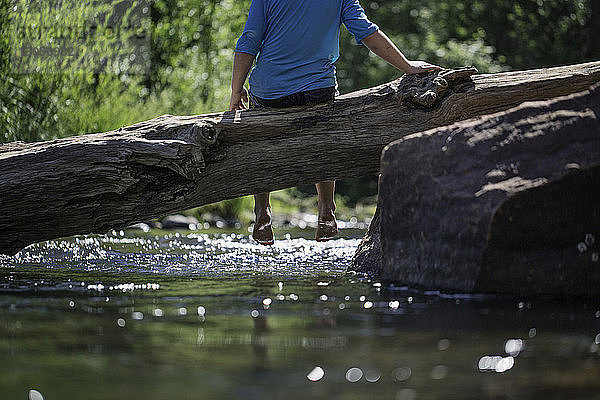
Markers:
point(198, 316)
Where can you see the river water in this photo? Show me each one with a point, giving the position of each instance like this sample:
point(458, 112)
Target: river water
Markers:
point(214, 316)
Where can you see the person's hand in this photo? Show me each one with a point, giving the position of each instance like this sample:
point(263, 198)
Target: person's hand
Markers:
point(418, 67)
point(237, 100)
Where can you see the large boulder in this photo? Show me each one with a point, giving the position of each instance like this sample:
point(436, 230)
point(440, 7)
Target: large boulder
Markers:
point(508, 202)
point(368, 254)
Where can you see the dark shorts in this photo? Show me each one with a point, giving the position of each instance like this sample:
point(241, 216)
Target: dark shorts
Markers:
point(308, 98)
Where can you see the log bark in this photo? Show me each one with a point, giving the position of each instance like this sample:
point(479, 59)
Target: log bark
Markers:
point(96, 182)
point(508, 203)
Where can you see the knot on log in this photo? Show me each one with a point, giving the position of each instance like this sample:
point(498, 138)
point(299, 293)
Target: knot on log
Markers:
point(458, 75)
point(424, 90)
point(202, 133)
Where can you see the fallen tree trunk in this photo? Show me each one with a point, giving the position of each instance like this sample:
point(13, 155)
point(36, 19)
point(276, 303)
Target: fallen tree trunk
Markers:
point(95, 182)
point(509, 202)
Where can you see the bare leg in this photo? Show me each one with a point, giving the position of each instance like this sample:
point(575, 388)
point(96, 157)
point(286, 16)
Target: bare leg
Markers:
point(327, 227)
point(262, 232)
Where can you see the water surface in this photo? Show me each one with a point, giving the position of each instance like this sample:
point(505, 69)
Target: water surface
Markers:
point(199, 316)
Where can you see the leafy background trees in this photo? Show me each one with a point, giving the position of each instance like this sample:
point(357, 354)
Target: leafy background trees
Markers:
point(93, 65)
point(70, 67)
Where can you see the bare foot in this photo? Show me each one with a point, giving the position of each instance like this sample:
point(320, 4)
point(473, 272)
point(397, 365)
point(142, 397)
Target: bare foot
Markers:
point(327, 227)
point(263, 231)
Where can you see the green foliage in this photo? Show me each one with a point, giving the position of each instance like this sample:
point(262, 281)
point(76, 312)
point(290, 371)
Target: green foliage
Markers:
point(67, 62)
point(423, 31)
point(192, 51)
point(233, 209)
point(94, 65)
point(88, 66)
point(534, 33)
point(493, 35)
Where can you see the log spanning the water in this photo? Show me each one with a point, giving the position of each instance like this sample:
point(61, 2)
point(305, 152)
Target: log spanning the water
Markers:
point(96, 182)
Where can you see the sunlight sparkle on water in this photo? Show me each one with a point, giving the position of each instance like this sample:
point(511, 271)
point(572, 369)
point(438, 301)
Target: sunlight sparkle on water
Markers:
point(496, 363)
point(157, 312)
point(439, 372)
point(406, 394)
point(354, 374)
point(443, 344)
point(513, 347)
point(316, 374)
point(401, 374)
point(35, 395)
point(186, 254)
point(137, 315)
point(532, 333)
point(372, 376)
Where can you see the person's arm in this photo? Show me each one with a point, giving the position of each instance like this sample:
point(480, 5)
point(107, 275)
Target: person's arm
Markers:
point(366, 32)
point(246, 49)
point(381, 45)
point(242, 62)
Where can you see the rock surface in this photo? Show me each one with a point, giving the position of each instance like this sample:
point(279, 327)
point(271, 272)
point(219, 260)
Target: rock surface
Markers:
point(508, 202)
point(368, 254)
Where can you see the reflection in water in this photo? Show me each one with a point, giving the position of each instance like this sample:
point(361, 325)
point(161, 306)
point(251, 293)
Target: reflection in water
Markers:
point(372, 376)
point(217, 317)
point(401, 374)
point(496, 363)
point(439, 372)
point(406, 394)
point(513, 347)
point(443, 344)
point(354, 374)
point(316, 374)
point(35, 395)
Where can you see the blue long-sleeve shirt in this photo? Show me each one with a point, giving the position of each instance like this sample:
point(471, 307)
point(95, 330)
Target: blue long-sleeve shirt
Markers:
point(297, 42)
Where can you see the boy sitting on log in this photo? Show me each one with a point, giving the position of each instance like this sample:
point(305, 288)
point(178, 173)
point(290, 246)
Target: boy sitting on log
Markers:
point(296, 43)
